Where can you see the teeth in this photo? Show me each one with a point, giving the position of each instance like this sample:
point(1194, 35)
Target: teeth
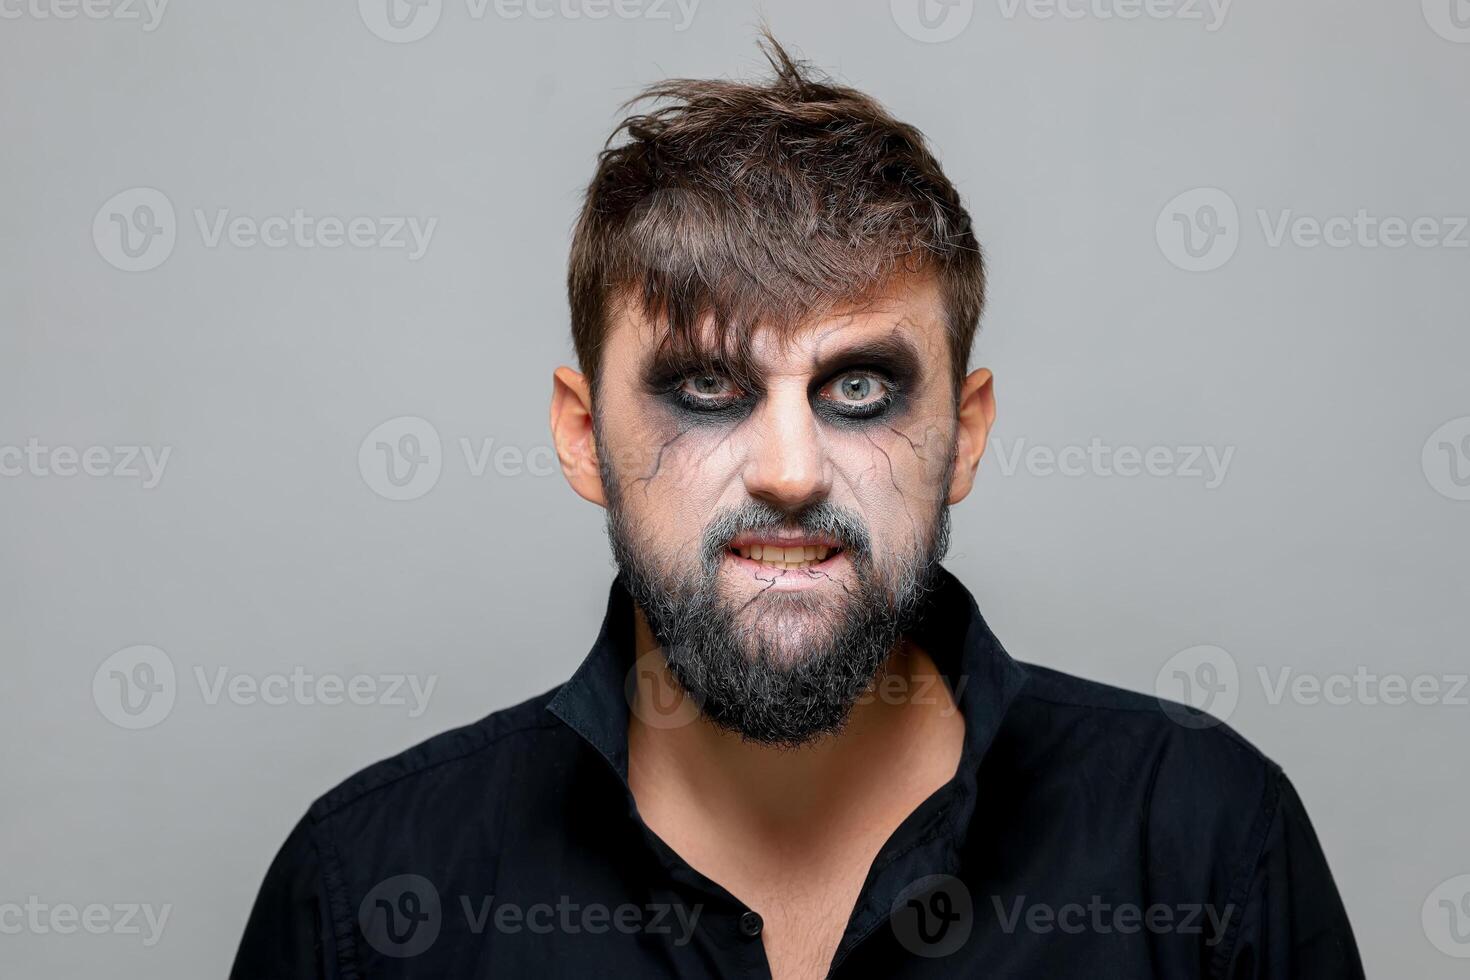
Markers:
point(786, 559)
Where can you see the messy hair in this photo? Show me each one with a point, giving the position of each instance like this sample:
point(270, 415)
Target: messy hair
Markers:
point(738, 205)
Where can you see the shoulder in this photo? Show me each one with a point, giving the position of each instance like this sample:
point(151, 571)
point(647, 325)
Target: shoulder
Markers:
point(451, 770)
point(414, 820)
point(1137, 726)
point(1196, 784)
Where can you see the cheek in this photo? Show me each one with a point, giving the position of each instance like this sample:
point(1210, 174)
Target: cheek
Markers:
point(671, 477)
point(645, 446)
point(895, 476)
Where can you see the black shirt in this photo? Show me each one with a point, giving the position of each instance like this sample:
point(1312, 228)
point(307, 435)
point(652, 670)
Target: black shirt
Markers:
point(1088, 832)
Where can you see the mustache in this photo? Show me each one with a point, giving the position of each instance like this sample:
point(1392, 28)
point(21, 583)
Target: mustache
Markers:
point(824, 518)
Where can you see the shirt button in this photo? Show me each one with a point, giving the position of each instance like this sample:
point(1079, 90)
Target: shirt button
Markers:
point(750, 925)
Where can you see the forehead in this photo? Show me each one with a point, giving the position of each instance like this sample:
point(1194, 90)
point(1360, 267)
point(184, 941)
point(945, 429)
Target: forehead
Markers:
point(907, 312)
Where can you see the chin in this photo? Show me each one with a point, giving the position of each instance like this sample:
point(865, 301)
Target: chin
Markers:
point(790, 639)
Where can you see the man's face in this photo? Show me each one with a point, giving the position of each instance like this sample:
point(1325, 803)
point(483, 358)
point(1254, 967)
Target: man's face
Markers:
point(779, 539)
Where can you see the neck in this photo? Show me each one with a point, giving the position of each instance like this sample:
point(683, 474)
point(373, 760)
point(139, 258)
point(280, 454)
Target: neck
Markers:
point(905, 730)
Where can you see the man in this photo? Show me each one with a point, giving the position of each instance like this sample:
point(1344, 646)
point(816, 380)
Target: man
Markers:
point(795, 749)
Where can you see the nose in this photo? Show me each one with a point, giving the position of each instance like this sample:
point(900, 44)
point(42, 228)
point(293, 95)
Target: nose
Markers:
point(787, 463)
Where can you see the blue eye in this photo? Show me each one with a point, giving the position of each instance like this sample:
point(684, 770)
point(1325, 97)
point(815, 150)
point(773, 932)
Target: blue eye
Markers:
point(712, 387)
point(857, 393)
point(709, 396)
point(851, 396)
point(856, 388)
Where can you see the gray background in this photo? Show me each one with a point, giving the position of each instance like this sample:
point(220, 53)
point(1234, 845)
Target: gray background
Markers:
point(1336, 540)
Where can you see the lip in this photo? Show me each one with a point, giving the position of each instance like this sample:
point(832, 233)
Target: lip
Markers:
point(785, 579)
point(748, 538)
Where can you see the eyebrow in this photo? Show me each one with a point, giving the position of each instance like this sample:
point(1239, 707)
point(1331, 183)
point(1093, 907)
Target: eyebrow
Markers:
point(894, 352)
point(665, 366)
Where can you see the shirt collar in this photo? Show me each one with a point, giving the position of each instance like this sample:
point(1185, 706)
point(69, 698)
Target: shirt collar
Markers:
point(595, 701)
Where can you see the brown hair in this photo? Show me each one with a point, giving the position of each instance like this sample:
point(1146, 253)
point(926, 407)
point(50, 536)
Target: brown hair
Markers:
point(764, 204)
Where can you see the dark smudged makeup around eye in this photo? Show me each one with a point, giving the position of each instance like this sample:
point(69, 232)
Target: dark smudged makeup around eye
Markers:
point(892, 363)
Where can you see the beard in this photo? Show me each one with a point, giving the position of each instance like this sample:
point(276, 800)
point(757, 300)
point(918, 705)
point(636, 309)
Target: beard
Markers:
point(793, 672)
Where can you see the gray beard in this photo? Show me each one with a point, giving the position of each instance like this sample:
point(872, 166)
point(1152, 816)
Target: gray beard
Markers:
point(788, 693)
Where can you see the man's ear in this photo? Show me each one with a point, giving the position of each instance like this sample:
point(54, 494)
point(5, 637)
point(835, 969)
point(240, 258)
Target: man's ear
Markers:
point(976, 416)
point(571, 430)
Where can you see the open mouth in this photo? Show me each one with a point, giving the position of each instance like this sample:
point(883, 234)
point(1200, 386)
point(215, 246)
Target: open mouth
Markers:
point(778, 554)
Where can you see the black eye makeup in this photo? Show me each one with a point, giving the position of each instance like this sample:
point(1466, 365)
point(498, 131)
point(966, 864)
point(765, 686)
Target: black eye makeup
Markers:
point(857, 394)
point(700, 393)
point(867, 382)
point(857, 384)
point(708, 393)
